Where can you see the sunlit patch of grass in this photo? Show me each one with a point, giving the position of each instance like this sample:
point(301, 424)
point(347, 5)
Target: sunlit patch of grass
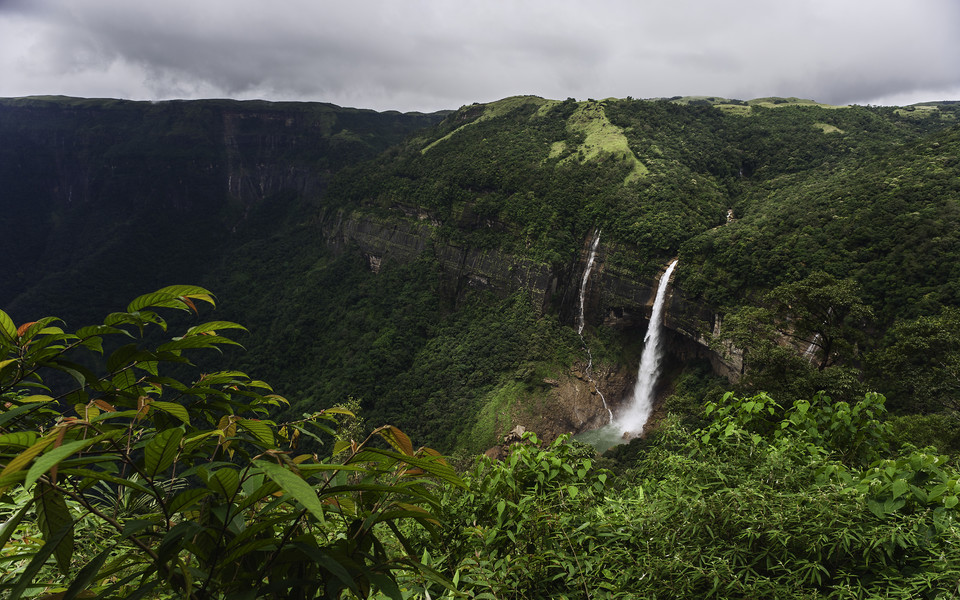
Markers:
point(827, 128)
point(602, 138)
point(494, 419)
point(557, 149)
point(776, 102)
point(735, 109)
point(918, 111)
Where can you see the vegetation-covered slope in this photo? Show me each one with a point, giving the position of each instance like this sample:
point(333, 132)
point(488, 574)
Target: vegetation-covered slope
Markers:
point(250, 198)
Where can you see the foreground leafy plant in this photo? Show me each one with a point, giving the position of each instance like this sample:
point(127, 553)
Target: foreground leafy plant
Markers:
point(189, 488)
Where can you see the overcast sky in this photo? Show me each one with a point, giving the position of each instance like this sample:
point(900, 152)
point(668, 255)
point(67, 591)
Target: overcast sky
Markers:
point(435, 54)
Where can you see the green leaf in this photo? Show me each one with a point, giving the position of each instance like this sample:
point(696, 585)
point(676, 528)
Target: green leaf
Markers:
point(8, 527)
point(213, 326)
point(295, 487)
point(36, 398)
point(7, 327)
point(899, 487)
point(53, 516)
point(196, 341)
point(53, 457)
point(172, 408)
point(950, 501)
point(169, 297)
point(161, 451)
point(186, 499)
point(224, 481)
point(12, 414)
point(25, 457)
point(259, 430)
point(387, 585)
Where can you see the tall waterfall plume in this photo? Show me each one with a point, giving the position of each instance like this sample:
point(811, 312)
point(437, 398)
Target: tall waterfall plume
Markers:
point(638, 410)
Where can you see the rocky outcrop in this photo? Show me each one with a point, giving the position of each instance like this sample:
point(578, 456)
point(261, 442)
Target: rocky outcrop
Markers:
point(402, 239)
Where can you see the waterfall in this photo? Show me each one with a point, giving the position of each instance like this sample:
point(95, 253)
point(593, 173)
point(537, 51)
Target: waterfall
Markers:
point(581, 320)
point(808, 353)
point(586, 277)
point(638, 410)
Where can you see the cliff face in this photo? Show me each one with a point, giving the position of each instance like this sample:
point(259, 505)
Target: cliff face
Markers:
point(85, 178)
point(614, 296)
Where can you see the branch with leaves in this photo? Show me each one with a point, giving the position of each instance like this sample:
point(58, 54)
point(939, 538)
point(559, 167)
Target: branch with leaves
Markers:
point(190, 487)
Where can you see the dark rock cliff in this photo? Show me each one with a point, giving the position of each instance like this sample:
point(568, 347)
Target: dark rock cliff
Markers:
point(614, 296)
point(86, 179)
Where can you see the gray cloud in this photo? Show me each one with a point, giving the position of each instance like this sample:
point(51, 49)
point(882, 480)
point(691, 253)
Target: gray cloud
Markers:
point(432, 54)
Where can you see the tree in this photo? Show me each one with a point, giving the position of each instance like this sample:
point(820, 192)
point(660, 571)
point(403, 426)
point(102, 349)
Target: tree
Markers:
point(823, 313)
point(921, 367)
point(142, 484)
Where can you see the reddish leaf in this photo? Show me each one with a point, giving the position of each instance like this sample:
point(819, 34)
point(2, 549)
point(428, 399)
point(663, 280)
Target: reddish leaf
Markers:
point(190, 303)
point(106, 406)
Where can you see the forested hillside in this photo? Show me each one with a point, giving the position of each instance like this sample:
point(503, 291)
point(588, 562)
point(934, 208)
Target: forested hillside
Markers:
point(436, 282)
point(385, 281)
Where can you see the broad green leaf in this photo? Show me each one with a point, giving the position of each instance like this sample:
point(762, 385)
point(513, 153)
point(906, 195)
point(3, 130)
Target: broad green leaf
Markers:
point(12, 414)
point(187, 499)
point(7, 528)
point(161, 451)
point(387, 585)
point(950, 501)
point(339, 446)
point(52, 516)
point(213, 326)
point(36, 398)
point(259, 430)
point(170, 297)
point(295, 487)
point(88, 574)
point(25, 457)
point(7, 327)
point(172, 408)
point(224, 481)
point(46, 461)
point(899, 487)
point(433, 465)
point(104, 476)
point(196, 341)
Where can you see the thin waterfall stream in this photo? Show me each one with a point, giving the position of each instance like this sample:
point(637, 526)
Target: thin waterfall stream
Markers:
point(586, 278)
point(581, 321)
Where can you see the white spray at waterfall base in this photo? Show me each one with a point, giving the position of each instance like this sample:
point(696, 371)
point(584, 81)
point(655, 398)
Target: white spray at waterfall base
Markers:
point(632, 420)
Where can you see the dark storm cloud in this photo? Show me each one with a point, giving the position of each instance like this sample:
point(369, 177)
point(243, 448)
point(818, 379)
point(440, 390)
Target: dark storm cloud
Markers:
point(431, 54)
